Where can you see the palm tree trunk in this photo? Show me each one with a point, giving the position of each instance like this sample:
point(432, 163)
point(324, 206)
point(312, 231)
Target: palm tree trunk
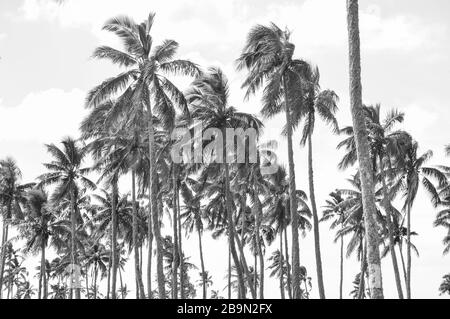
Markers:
point(387, 208)
point(281, 265)
point(258, 215)
point(3, 248)
point(87, 282)
point(73, 227)
point(153, 208)
point(288, 264)
point(175, 252)
point(403, 262)
point(108, 289)
point(255, 280)
point(149, 263)
point(312, 197)
point(408, 252)
point(121, 284)
point(43, 275)
point(229, 271)
point(341, 281)
point(245, 266)
point(140, 293)
point(202, 262)
point(231, 227)
point(114, 239)
point(180, 248)
point(95, 280)
point(293, 199)
point(363, 270)
point(362, 147)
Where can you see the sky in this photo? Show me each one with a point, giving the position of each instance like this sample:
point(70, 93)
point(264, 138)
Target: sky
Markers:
point(46, 70)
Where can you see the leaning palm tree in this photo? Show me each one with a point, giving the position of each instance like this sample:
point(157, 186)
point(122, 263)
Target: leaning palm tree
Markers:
point(334, 210)
point(411, 172)
point(268, 55)
point(12, 195)
point(323, 104)
point(209, 101)
point(141, 86)
point(67, 173)
point(361, 140)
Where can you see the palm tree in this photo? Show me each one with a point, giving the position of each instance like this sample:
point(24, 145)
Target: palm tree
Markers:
point(410, 171)
point(444, 288)
point(208, 98)
point(334, 211)
point(279, 267)
point(268, 56)
point(67, 173)
point(361, 140)
point(12, 195)
point(139, 86)
point(323, 103)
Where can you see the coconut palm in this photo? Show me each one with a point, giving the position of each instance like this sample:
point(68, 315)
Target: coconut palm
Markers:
point(444, 288)
point(410, 172)
point(335, 211)
point(323, 104)
point(268, 55)
point(143, 85)
point(208, 98)
point(365, 165)
point(67, 173)
point(12, 195)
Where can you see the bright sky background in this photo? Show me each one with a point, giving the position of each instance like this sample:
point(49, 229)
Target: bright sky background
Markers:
point(46, 70)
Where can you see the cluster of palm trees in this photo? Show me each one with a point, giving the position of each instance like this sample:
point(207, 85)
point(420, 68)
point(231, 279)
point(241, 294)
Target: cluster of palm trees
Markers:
point(92, 228)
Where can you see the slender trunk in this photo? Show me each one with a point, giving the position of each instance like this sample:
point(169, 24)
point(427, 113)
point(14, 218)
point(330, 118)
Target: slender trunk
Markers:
point(362, 147)
point(229, 271)
point(387, 208)
point(245, 266)
point(114, 239)
point(87, 282)
point(258, 216)
point(341, 281)
point(95, 280)
point(231, 227)
point(315, 220)
point(202, 262)
point(281, 265)
point(400, 248)
point(180, 248)
point(121, 284)
point(175, 252)
point(3, 248)
point(153, 208)
point(293, 200)
point(149, 263)
point(140, 293)
point(288, 264)
point(73, 248)
point(255, 280)
point(108, 289)
point(408, 252)
point(43, 275)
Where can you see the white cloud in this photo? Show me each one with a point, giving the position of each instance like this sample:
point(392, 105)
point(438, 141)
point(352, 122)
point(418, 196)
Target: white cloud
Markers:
point(43, 117)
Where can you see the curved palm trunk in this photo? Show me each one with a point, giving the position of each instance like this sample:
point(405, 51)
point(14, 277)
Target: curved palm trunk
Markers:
point(43, 279)
point(387, 208)
point(202, 263)
point(258, 215)
point(175, 252)
point(408, 252)
point(293, 200)
point(140, 293)
point(114, 239)
point(281, 265)
point(73, 227)
point(312, 197)
point(365, 166)
point(153, 206)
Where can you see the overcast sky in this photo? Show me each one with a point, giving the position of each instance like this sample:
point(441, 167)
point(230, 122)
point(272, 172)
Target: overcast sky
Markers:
point(46, 70)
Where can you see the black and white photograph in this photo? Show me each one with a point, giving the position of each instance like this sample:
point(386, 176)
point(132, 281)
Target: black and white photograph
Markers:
point(244, 154)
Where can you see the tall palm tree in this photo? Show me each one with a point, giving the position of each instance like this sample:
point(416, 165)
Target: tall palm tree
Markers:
point(411, 172)
point(334, 210)
point(365, 165)
point(67, 173)
point(324, 104)
point(144, 85)
point(209, 101)
point(268, 55)
point(12, 195)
